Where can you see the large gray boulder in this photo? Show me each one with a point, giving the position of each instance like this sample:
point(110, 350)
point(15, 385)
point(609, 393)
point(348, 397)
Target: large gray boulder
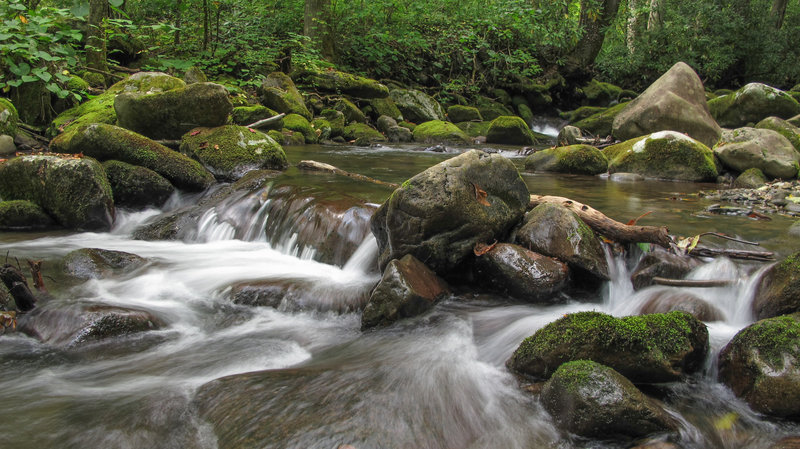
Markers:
point(663, 155)
point(522, 273)
point(744, 148)
point(416, 106)
point(782, 127)
point(576, 159)
point(170, 114)
point(440, 214)
point(676, 102)
point(751, 104)
point(778, 291)
point(278, 92)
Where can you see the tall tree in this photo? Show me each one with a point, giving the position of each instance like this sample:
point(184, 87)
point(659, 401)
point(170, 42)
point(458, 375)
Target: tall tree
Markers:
point(632, 25)
point(594, 21)
point(654, 19)
point(95, 37)
point(316, 26)
point(777, 13)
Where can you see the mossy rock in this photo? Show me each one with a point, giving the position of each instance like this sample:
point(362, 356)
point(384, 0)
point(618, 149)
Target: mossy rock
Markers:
point(96, 263)
point(231, 151)
point(575, 159)
point(278, 92)
point(346, 83)
point(22, 215)
point(245, 115)
point(385, 106)
point(510, 130)
point(362, 134)
point(661, 347)
point(525, 113)
point(336, 120)
point(794, 120)
point(751, 104)
point(474, 129)
point(350, 111)
point(323, 127)
point(296, 122)
point(293, 138)
point(408, 125)
point(278, 136)
point(502, 96)
point(77, 84)
point(601, 123)
point(109, 142)
point(582, 113)
point(744, 148)
point(8, 118)
point(782, 127)
point(136, 187)
point(778, 292)
point(761, 364)
point(598, 93)
point(74, 191)
point(194, 75)
point(664, 155)
point(491, 109)
point(437, 131)
point(94, 79)
point(417, 106)
point(752, 178)
point(458, 113)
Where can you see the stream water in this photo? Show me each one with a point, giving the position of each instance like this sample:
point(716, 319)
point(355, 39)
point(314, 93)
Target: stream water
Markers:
point(437, 381)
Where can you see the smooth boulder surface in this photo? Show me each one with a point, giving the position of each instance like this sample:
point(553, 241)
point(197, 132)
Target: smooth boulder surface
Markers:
point(510, 130)
point(663, 155)
point(668, 299)
point(645, 349)
point(522, 273)
point(576, 159)
point(408, 288)
point(761, 364)
point(74, 191)
point(437, 131)
point(661, 263)
point(752, 178)
point(601, 123)
point(22, 215)
point(231, 151)
point(136, 187)
point(744, 148)
point(440, 214)
point(778, 291)
point(674, 102)
point(782, 127)
point(751, 104)
point(109, 142)
point(278, 92)
point(417, 106)
point(96, 263)
point(459, 113)
point(594, 401)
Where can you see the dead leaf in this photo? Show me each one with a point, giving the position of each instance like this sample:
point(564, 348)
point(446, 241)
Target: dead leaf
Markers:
point(251, 130)
point(195, 132)
point(633, 222)
point(216, 147)
point(758, 216)
point(481, 195)
point(23, 19)
point(482, 248)
point(203, 145)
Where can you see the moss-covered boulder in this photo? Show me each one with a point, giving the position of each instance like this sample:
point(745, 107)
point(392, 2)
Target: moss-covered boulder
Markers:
point(440, 214)
point(525, 113)
point(664, 155)
point(600, 123)
point(761, 364)
point(491, 109)
point(231, 151)
point(108, 142)
point(598, 93)
point(74, 191)
point(778, 292)
point(581, 113)
point(136, 187)
point(336, 120)
point(752, 178)
point(350, 111)
point(474, 129)
point(556, 231)
point(437, 131)
point(7, 146)
point(22, 215)
point(510, 130)
point(594, 401)
point(751, 104)
point(385, 122)
point(782, 127)
point(170, 114)
point(96, 263)
point(645, 349)
point(278, 92)
point(417, 106)
point(194, 75)
point(338, 82)
point(408, 288)
point(569, 135)
point(384, 106)
point(675, 102)
point(521, 273)
point(298, 123)
point(794, 120)
point(458, 113)
point(8, 118)
point(576, 159)
point(744, 148)
point(322, 128)
point(246, 115)
point(362, 134)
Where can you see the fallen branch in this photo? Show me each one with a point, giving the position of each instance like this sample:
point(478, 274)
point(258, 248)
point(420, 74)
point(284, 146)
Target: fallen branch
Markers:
point(266, 121)
point(760, 256)
point(119, 68)
point(169, 143)
point(327, 168)
point(608, 227)
point(103, 72)
point(36, 275)
point(692, 283)
point(17, 286)
point(727, 237)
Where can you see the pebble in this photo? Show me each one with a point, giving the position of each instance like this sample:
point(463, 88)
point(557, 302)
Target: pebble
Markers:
point(780, 197)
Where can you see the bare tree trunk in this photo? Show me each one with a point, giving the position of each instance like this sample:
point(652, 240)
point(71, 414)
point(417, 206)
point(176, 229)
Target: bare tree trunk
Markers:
point(632, 25)
point(205, 25)
point(777, 13)
point(594, 22)
point(178, 19)
point(654, 20)
point(316, 26)
point(96, 39)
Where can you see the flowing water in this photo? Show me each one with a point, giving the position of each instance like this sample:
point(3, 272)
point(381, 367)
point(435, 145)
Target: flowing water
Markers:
point(315, 380)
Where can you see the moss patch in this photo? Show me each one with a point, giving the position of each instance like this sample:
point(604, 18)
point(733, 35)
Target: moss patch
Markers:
point(298, 123)
point(458, 113)
point(474, 129)
point(9, 118)
point(666, 155)
point(362, 134)
point(231, 151)
point(600, 123)
point(246, 115)
point(21, 215)
point(439, 131)
point(577, 159)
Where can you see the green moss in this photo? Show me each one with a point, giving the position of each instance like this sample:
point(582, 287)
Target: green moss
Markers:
point(408, 125)
point(245, 115)
point(667, 156)
point(577, 159)
point(774, 338)
point(510, 130)
point(600, 124)
point(347, 83)
point(323, 127)
point(458, 113)
point(582, 113)
point(474, 129)
point(782, 127)
point(350, 111)
point(299, 123)
point(23, 215)
point(77, 84)
point(600, 93)
point(9, 118)
point(278, 136)
point(362, 134)
point(336, 120)
point(576, 374)
point(491, 109)
point(439, 131)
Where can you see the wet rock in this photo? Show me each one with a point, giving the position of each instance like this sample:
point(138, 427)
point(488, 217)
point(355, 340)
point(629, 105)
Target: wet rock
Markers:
point(417, 106)
point(440, 214)
point(594, 401)
point(21, 215)
point(600, 123)
point(458, 113)
point(665, 155)
point(136, 187)
point(626, 177)
point(765, 149)
point(108, 142)
point(351, 112)
point(751, 104)
point(661, 263)
point(7, 146)
point(246, 115)
point(555, 231)
point(674, 102)
point(278, 92)
point(9, 118)
point(408, 288)
point(787, 443)
point(338, 82)
point(510, 130)
point(752, 178)
point(438, 131)
point(383, 106)
point(778, 292)
point(96, 263)
point(668, 300)
point(260, 293)
point(569, 135)
point(74, 191)
point(575, 159)
point(522, 273)
point(761, 364)
point(362, 134)
point(399, 134)
point(645, 349)
point(385, 122)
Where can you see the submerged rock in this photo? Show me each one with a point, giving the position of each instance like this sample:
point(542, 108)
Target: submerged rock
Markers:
point(765, 149)
point(665, 155)
point(96, 263)
point(522, 273)
point(778, 291)
point(751, 104)
point(135, 186)
point(575, 159)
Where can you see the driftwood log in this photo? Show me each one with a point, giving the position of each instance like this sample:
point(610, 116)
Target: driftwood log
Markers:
point(327, 168)
point(266, 121)
point(759, 256)
point(17, 286)
point(692, 283)
point(608, 227)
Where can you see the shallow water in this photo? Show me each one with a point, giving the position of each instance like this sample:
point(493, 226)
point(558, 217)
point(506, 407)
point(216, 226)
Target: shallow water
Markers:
point(438, 381)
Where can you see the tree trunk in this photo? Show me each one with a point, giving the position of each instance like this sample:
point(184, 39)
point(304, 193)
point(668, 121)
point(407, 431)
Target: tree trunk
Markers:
point(316, 26)
point(777, 13)
point(96, 39)
point(205, 25)
point(178, 19)
point(594, 23)
point(654, 19)
point(632, 25)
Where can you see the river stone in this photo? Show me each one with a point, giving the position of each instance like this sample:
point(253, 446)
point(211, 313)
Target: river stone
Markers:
point(96, 263)
point(171, 114)
point(594, 401)
point(522, 273)
point(73, 324)
point(670, 299)
point(782, 127)
point(74, 191)
point(662, 347)
point(338, 82)
point(765, 149)
point(298, 123)
point(761, 364)
point(408, 288)
point(278, 92)
point(751, 104)
point(417, 106)
point(752, 178)
point(569, 135)
point(510, 130)
point(384, 123)
point(362, 134)
point(7, 146)
point(136, 187)
point(9, 118)
point(383, 106)
point(440, 214)
point(247, 115)
point(350, 111)
point(675, 102)
point(109, 142)
point(336, 119)
point(663, 155)
point(575, 159)
point(399, 134)
point(778, 291)
point(491, 109)
point(556, 231)
point(598, 93)
point(475, 129)
point(21, 215)
point(661, 263)
point(601, 123)
point(459, 113)
point(437, 131)
point(230, 151)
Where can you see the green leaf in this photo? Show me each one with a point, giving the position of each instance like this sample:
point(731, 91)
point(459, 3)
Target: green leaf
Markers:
point(80, 9)
point(15, 83)
point(44, 76)
point(46, 56)
point(20, 70)
point(29, 79)
point(116, 3)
